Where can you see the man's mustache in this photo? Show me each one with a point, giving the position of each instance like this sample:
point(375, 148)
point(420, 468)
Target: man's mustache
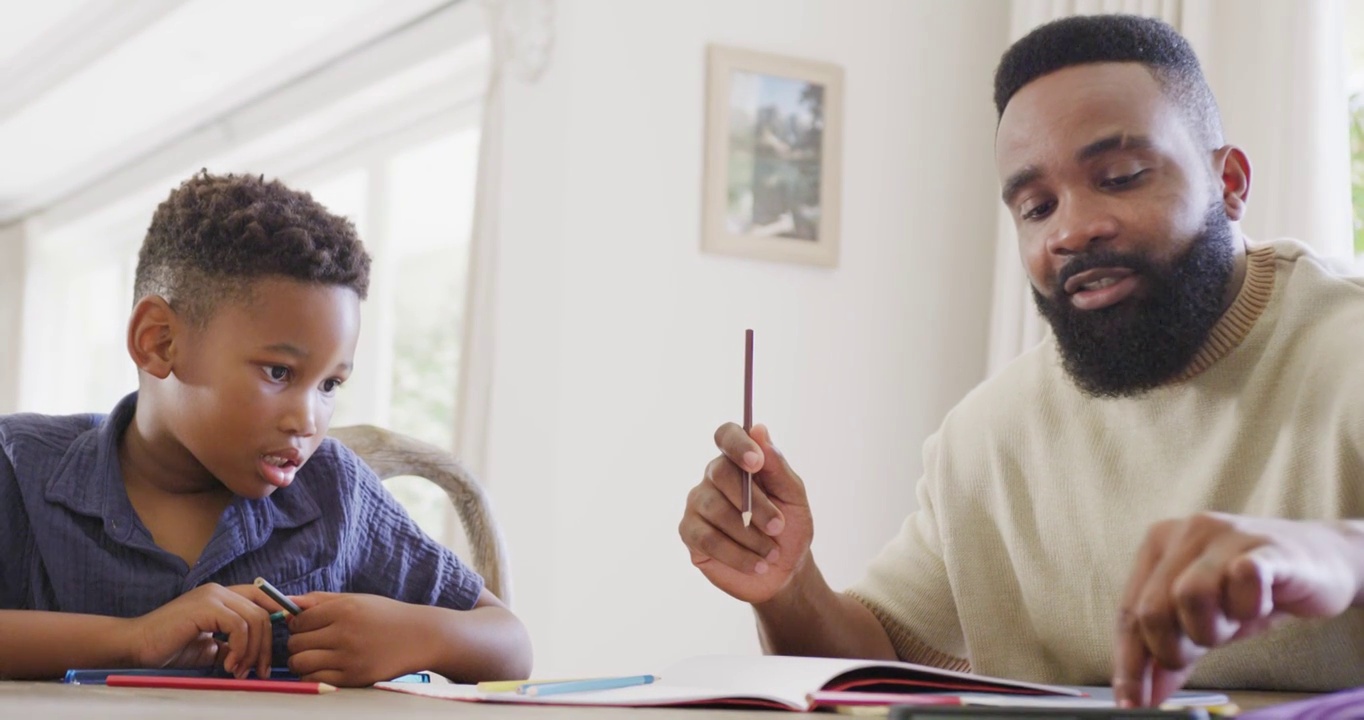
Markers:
point(1098, 259)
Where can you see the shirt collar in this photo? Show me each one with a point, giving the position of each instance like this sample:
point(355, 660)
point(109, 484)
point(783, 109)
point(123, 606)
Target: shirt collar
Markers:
point(89, 481)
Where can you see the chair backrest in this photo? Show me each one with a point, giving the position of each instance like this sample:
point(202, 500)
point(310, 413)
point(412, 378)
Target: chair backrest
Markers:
point(392, 454)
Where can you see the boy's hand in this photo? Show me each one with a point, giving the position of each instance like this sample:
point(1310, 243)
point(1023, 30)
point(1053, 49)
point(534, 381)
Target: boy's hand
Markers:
point(750, 563)
point(354, 640)
point(180, 633)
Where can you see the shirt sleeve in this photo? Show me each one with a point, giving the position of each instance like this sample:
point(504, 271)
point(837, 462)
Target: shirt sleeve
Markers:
point(389, 555)
point(907, 586)
point(17, 545)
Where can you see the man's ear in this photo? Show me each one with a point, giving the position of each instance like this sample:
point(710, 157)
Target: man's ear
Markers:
point(1232, 169)
point(152, 336)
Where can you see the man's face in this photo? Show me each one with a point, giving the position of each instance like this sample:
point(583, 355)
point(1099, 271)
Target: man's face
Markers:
point(1122, 231)
point(256, 385)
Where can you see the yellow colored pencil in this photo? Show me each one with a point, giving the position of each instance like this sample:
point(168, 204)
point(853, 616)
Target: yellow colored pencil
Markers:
point(512, 685)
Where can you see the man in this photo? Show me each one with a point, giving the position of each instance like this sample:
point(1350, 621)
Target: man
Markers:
point(1173, 471)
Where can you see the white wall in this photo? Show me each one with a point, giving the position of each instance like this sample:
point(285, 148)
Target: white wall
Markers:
point(12, 265)
point(620, 344)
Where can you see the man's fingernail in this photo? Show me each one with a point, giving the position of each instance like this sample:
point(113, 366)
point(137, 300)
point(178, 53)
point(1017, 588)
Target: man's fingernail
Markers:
point(774, 526)
point(760, 568)
point(752, 460)
point(772, 556)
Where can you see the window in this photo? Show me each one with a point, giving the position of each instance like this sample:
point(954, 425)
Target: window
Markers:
point(1354, 43)
point(414, 210)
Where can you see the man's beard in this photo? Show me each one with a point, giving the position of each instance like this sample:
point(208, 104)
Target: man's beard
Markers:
point(1144, 341)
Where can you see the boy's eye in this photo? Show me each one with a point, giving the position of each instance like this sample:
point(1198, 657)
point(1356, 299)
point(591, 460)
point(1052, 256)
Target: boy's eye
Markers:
point(278, 373)
point(330, 385)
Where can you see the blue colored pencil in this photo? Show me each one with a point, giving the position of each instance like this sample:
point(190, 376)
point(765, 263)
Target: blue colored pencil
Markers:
point(585, 685)
point(98, 676)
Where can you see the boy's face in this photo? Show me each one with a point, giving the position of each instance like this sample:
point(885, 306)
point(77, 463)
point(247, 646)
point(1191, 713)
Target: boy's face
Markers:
point(255, 387)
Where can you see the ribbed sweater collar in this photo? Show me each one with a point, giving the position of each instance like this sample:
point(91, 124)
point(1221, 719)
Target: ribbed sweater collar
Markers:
point(1240, 317)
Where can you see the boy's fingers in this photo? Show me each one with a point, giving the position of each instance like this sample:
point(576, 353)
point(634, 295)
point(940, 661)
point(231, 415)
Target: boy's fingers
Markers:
point(256, 654)
point(314, 617)
point(220, 653)
point(265, 648)
point(238, 638)
point(313, 599)
point(308, 663)
point(331, 677)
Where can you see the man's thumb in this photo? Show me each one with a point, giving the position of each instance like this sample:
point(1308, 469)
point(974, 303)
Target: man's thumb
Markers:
point(777, 478)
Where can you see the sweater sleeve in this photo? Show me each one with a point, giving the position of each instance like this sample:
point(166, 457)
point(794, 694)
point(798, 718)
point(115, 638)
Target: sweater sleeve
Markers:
point(907, 587)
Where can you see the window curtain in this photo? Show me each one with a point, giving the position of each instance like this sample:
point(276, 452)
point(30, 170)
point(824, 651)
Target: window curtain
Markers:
point(13, 243)
point(520, 33)
point(1278, 70)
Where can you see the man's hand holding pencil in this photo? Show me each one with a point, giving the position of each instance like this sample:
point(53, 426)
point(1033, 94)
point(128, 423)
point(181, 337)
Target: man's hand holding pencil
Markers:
point(748, 541)
point(750, 563)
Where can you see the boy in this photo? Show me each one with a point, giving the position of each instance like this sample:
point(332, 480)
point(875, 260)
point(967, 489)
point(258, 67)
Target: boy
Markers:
point(131, 539)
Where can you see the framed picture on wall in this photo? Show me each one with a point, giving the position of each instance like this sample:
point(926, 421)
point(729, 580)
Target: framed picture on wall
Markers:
point(774, 137)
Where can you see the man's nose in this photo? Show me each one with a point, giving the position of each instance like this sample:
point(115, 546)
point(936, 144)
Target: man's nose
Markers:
point(1078, 226)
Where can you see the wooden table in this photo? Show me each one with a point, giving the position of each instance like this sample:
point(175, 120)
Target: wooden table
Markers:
point(56, 701)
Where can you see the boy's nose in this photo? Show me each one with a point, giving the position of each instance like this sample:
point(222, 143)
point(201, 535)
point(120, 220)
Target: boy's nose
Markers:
point(302, 417)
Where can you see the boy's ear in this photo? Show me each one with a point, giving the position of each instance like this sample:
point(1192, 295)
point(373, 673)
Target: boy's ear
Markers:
point(152, 334)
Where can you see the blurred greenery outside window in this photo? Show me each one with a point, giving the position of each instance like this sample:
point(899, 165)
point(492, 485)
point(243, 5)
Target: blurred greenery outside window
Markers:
point(414, 212)
point(1354, 44)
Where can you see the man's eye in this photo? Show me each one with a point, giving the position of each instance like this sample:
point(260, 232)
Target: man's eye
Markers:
point(1121, 180)
point(278, 373)
point(330, 385)
point(1035, 212)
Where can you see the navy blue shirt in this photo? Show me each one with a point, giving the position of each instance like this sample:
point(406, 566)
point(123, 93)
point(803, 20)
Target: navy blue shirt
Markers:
point(70, 540)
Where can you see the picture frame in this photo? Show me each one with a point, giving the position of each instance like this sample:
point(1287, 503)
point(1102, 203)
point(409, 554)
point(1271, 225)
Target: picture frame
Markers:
point(774, 156)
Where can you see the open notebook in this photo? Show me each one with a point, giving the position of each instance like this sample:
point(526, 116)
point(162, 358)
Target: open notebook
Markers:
point(767, 681)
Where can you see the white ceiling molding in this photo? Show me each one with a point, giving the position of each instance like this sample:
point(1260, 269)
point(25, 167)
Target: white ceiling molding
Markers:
point(82, 38)
point(423, 114)
point(437, 43)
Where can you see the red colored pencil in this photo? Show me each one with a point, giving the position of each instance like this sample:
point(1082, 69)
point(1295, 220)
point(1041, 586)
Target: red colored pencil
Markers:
point(196, 683)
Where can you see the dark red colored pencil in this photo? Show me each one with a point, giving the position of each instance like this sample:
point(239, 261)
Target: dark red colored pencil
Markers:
point(748, 422)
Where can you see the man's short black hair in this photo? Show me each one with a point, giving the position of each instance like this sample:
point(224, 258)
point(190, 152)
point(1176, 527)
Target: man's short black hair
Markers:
point(216, 234)
point(1085, 39)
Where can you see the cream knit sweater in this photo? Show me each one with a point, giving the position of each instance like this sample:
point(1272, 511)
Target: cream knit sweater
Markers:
point(1035, 497)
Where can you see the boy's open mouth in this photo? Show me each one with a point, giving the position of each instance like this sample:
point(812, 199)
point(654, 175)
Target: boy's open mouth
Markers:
point(278, 469)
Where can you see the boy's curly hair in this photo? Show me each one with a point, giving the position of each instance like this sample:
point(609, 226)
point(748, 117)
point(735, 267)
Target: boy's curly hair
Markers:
point(215, 234)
